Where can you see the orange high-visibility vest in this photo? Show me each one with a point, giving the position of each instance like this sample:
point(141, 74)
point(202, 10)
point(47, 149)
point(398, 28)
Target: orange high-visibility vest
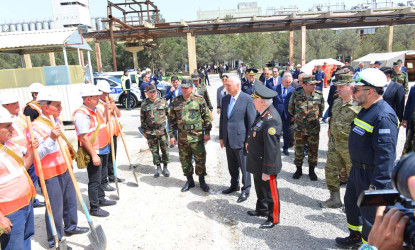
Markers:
point(19, 133)
point(53, 164)
point(103, 137)
point(16, 187)
point(115, 125)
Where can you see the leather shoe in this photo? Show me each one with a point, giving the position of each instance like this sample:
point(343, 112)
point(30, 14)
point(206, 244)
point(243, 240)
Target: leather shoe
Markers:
point(267, 225)
point(99, 213)
point(256, 213)
point(112, 179)
point(107, 203)
point(231, 190)
point(243, 197)
point(77, 230)
point(39, 204)
point(107, 187)
point(285, 151)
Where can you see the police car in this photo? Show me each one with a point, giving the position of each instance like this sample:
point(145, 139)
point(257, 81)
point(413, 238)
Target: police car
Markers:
point(118, 94)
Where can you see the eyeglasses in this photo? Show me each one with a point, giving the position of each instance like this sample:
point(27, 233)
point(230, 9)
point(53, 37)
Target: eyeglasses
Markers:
point(355, 90)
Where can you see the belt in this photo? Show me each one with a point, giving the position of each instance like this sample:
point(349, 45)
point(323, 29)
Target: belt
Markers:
point(190, 126)
point(363, 165)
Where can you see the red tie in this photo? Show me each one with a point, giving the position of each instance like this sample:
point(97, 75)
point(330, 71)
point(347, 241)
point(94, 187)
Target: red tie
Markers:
point(275, 81)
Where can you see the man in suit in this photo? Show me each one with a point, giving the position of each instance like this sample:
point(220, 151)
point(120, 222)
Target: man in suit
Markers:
point(276, 78)
point(220, 93)
point(280, 103)
point(267, 78)
point(409, 108)
point(174, 91)
point(236, 117)
point(394, 93)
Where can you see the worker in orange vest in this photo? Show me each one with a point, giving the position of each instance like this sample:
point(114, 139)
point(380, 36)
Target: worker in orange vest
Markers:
point(16, 189)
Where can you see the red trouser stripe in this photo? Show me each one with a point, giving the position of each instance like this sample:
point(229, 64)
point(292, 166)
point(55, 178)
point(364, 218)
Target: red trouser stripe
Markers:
point(274, 194)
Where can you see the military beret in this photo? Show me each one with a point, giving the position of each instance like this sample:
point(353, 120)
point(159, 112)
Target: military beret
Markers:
point(252, 71)
point(263, 92)
point(151, 88)
point(343, 79)
point(308, 79)
point(186, 83)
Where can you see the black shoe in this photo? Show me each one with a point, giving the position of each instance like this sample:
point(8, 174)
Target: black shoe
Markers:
point(285, 151)
point(107, 203)
point(77, 230)
point(107, 187)
point(190, 183)
point(99, 213)
point(165, 171)
point(112, 179)
point(231, 190)
point(256, 213)
point(312, 174)
point(39, 204)
point(354, 240)
point(158, 171)
point(267, 225)
point(203, 184)
point(243, 197)
point(297, 174)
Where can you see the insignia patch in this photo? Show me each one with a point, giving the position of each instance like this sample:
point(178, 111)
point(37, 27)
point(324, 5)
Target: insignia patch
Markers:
point(245, 87)
point(359, 130)
point(259, 124)
point(384, 131)
point(272, 131)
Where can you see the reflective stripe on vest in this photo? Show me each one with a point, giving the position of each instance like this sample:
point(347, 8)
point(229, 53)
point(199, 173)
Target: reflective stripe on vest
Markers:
point(123, 79)
point(16, 187)
point(53, 164)
point(19, 125)
point(35, 106)
point(115, 125)
point(363, 125)
point(103, 138)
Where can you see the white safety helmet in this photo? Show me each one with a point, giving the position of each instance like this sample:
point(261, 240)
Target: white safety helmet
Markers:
point(5, 116)
point(371, 77)
point(47, 94)
point(104, 86)
point(148, 70)
point(35, 87)
point(89, 90)
point(8, 98)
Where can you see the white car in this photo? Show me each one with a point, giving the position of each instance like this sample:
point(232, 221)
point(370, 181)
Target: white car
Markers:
point(118, 94)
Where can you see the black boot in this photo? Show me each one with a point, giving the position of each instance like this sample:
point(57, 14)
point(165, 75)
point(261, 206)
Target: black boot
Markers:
point(203, 184)
point(298, 173)
point(353, 240)
point(165, 172)
point(312, 174)
point(158, 171)
point(190, 183)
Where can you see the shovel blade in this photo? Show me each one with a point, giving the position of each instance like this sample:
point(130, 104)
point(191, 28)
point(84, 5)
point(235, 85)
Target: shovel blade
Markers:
point(134, 173)
point(62, 245)
point(97, 238)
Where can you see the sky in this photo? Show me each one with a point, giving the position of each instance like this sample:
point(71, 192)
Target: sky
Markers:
point(13, 11)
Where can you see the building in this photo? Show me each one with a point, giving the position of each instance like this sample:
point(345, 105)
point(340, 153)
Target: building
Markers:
point(244, 9)
point(67, 13)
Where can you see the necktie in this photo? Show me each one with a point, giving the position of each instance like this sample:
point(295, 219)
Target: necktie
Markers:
point(231, 104)
point(283, 92)
point(275, 81)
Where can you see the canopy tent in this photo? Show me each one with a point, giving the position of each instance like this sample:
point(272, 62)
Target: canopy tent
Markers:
point(386, 59)
point(308, 67)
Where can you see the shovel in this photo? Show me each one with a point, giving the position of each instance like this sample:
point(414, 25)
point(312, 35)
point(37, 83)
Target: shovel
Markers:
point(132, 167)
point(97, 235)
point(61, 245)
point(112, 150)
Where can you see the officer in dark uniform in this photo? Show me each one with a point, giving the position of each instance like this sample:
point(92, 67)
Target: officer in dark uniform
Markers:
point(264, 155)
point(248, 86)
point(372, 148)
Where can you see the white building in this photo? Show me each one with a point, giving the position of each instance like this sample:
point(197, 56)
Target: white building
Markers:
point(244, 9)
point(70, 13)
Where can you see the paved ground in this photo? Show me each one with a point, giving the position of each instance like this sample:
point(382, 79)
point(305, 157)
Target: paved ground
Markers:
point(156, 215)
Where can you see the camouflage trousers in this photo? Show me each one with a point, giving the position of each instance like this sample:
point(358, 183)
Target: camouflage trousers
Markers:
point(338, 158)
point(300, 140)
point(154, 143)
point(198, 151)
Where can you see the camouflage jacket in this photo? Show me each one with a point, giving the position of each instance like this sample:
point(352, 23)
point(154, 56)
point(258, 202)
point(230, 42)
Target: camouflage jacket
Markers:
point(154, 116)
point(410, 137)
point(402, 78)
point(306, 110)
point(190, 117)
point(202, 91)
point(342, 115)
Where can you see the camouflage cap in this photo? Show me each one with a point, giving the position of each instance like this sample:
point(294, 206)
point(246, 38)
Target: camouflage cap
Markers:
point(151, 88)
point(308, 79)
point(343, 79)
point(195, 77)
point(342, 71)
point(186, 83)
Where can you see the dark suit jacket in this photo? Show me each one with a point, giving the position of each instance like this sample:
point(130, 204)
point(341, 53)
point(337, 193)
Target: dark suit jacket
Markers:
point(235, 129)
point(395, 96)
point(410, 105)
point(268, 83)
point(219, 97)
point(280, 105)
point(170, 95)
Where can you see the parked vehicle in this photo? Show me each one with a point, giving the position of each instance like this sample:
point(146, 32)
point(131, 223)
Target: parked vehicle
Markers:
point(118, 94)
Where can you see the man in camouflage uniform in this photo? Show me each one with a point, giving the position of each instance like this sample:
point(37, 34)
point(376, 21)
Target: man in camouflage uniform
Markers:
point(343, 113)
point(189, 115)
point(201, 91)
point(400, 76)
point(306, 108)
point(154, 112)
point(410, 137)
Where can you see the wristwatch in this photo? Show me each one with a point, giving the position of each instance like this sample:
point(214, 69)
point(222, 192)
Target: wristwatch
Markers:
point(367, 247)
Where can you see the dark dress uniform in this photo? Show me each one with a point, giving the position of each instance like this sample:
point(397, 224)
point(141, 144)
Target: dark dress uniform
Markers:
point(264, 157)
point(248, 87)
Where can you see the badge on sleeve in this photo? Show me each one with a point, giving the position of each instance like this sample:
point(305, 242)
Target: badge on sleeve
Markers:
point(272, 131)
